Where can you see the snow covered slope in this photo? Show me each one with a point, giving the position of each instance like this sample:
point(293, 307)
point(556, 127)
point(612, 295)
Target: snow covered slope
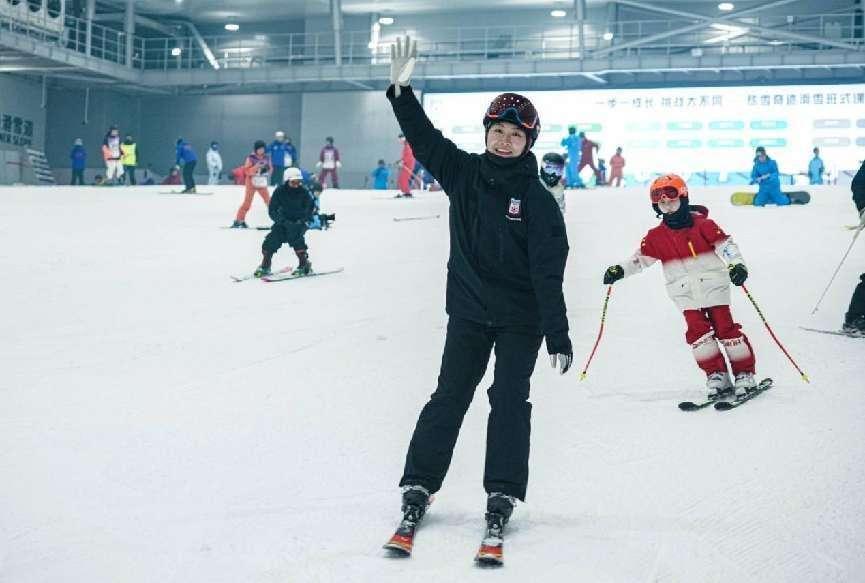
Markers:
point(161, 423)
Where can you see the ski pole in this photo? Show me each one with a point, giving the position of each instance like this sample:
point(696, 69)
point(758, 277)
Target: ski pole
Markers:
point(600, 332)
point(775, 338)
point(837, 269)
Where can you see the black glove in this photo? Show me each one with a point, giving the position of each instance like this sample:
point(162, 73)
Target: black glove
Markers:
point(560, 350)
point(613, 274)
point(738, 274)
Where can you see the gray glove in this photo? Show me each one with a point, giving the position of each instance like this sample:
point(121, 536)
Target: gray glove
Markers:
point(402, 61)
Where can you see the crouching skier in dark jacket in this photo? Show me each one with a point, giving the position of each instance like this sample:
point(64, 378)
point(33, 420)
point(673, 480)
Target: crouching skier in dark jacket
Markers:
point(290, 208)
point(508, 248)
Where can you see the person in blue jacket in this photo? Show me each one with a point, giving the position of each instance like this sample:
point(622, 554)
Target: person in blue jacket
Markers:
point(186, 157)
point(574, 144)
point(816, 168)
point(765, 174)
point(380, 176)
point(282, 155)
point(78, 157)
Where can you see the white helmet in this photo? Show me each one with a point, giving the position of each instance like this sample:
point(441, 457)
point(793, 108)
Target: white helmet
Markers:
point(279, 135)
point(293, 174)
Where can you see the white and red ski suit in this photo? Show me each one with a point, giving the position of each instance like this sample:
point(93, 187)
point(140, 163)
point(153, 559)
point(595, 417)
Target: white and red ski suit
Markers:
point(695, 260)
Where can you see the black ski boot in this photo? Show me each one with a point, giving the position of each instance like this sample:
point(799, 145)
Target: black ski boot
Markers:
point(854, 325)
point(499, 509)
point(415, 501)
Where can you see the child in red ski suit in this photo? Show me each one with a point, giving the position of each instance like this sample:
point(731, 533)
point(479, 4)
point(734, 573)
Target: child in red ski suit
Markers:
point(699, 260)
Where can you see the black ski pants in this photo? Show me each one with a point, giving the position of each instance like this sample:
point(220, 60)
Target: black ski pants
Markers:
point(857, 302)
point(189, 175)
point(129, 175)
point(466, 354)
point(77, 177)
point(286, 232)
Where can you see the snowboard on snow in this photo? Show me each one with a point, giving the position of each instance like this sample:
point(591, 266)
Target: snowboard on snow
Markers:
point(747, 198)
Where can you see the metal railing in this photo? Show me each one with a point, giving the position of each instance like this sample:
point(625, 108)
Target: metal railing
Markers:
point(454, 44)
point(506, 42)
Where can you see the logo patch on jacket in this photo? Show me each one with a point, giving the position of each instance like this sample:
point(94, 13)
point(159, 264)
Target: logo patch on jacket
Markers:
point(515, 210)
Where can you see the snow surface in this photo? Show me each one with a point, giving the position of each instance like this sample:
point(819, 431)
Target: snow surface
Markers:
point(161, 423)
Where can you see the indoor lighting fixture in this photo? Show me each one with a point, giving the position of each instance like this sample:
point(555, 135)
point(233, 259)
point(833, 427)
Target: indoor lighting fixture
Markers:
point(726, 6)
point(385, 20)
point(730, 32)
point(558, 13)
point(232, 27)
point(608, 35)
point(176, 51)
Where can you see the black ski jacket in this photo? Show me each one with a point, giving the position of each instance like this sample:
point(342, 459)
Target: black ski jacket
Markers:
point(858, 188)
point(508, 244)
point(290, 205)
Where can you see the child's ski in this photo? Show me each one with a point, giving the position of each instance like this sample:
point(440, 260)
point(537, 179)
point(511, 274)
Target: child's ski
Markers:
point(283, 276)
point(764, 386)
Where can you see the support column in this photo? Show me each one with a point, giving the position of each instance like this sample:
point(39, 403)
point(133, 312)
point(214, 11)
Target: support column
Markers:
point(129, 29)
point(89, 14)
point(336, 18)
point(580, 15)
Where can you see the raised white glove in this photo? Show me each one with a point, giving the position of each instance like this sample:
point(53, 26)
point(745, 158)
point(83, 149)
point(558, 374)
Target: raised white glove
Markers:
point(338, 164)
point(318, 164)
point(402, 61)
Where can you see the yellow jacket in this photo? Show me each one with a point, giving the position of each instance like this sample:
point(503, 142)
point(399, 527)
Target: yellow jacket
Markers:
point(128, 156)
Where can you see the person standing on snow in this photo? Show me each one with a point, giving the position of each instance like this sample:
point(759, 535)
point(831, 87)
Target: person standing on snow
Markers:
point(185, 156)
point(765, 174)
point(406, 169)
point(291, 209)
point(129, 159)
point(278, 154)
point(380, 176)
point(699, 260)
point(617, 163)
point(256, 169)
point(508, 248)
point(329, 163)
point(552, 174)
point(214, 164)
point(587, 157)
point(816, 168)
point(112, 153)
point(573, 143)
point(854, 319)
point(78, 159)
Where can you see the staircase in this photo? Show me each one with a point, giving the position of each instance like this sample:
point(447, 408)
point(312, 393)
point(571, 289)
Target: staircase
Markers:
point(38, 171)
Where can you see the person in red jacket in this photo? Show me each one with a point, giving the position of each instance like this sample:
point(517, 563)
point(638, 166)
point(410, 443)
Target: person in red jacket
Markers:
point(617, 162)
point(407, 164)
point(699, 260)
point(587, 155)
point(329, 163)
point(257, 169)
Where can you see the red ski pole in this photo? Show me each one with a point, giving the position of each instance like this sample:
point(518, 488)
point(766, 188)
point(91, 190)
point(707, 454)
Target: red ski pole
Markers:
point(775, 338)
point(600, 332)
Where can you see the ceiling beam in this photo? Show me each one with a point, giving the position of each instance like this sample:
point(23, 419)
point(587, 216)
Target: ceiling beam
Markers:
point(709, 20)
point(685, 29)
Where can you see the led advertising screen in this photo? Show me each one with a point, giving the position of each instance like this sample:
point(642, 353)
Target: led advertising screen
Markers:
point(704, 133)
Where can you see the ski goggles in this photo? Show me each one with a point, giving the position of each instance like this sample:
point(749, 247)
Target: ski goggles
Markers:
point(665, 192)
point(522, 113)
point(553, 168)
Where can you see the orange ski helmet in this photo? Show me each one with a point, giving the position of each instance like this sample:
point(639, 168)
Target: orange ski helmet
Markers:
point(670, 186)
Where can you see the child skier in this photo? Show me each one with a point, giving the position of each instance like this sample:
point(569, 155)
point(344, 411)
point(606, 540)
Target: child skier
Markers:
point(380, 176)
point(693, 250)
point(291, 209)
point(552, 173)
point(257, 169)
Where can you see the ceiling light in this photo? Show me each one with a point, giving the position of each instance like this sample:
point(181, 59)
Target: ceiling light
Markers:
point(608, 35)
point(558, 13)
point(385, 20)
point(232, 27)
point(726, 6)
point(175, 52)
point(776, 42)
